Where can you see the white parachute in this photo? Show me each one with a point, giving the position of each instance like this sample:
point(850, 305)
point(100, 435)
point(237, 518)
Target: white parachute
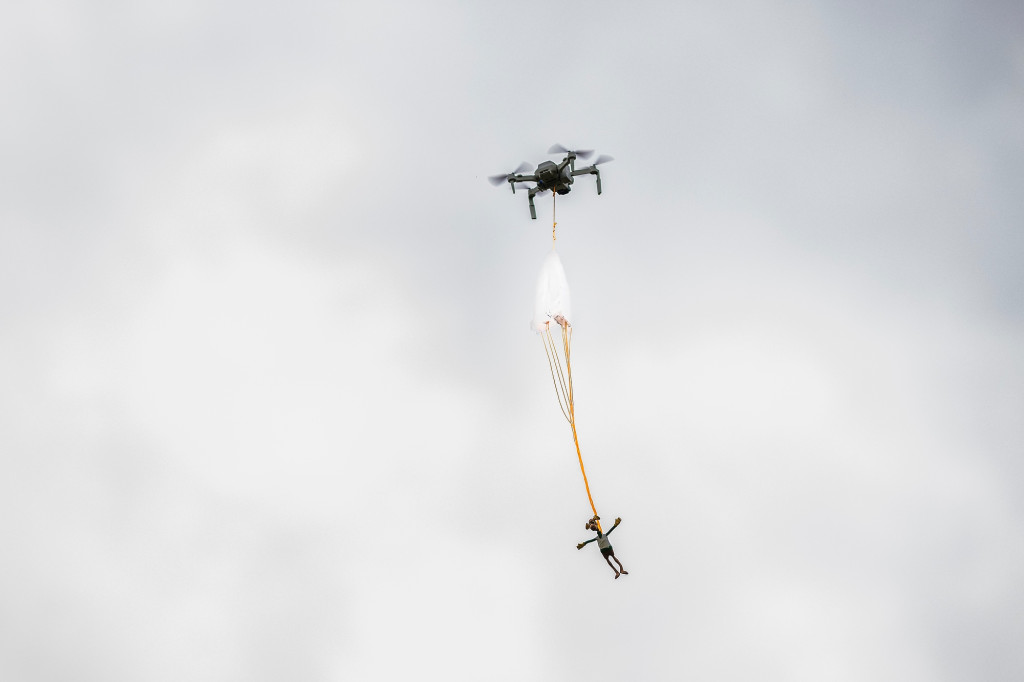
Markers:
point(552, 298)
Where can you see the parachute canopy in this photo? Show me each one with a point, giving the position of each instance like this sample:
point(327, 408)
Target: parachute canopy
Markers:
point(552, 298)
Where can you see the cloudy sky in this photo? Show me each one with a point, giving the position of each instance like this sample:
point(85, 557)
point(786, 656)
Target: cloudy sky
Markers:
point(270, 408)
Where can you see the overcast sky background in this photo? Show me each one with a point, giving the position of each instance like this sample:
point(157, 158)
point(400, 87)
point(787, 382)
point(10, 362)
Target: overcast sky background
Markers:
point(270, 408)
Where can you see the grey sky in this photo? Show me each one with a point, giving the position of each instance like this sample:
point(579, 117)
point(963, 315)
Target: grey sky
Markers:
point(271, 408)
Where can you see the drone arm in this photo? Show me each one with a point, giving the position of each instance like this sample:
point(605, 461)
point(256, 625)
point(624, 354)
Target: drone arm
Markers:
point(533, 209)
point(590, 170)
point(520, 178)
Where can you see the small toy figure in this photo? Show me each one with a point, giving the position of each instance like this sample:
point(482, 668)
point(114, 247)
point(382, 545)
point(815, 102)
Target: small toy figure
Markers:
point(604, 544)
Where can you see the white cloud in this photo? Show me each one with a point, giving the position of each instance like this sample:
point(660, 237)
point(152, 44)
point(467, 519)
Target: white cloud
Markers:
point(271, 404)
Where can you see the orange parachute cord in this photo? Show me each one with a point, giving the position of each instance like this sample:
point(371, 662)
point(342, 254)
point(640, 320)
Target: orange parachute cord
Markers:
point(562, 381)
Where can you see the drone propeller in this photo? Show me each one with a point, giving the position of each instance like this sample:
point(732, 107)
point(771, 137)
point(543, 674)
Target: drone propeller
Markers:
point(581, 153)
point(498, 179)
point(604, 158)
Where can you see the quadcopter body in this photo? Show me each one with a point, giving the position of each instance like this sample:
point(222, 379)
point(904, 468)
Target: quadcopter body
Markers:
point(549, 175)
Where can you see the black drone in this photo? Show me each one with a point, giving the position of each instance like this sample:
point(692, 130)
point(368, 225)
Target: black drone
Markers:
point(554, 176)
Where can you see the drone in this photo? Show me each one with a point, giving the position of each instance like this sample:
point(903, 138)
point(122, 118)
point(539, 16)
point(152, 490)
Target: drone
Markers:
point(549, 175)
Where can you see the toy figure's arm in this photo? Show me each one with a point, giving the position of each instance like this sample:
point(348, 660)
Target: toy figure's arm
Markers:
point(614, 526)
point(580, 546)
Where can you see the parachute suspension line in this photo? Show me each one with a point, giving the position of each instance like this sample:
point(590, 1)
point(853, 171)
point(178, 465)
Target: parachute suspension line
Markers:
point(566, 346)
point(561, 379)
point(551, 367)
point(566, 342)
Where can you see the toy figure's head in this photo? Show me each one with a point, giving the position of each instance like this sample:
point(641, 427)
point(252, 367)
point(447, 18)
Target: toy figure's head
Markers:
point(592, 524)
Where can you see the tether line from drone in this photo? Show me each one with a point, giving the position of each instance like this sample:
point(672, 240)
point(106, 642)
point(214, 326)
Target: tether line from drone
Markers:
point(554, 196)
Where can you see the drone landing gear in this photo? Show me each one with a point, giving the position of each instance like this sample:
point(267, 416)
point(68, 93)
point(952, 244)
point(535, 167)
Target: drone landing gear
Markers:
point(533, 209)
point(594, 170)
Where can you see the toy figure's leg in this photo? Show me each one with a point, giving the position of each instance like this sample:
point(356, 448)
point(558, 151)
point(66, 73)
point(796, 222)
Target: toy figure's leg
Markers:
point(608, 559)
point(624, 571)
